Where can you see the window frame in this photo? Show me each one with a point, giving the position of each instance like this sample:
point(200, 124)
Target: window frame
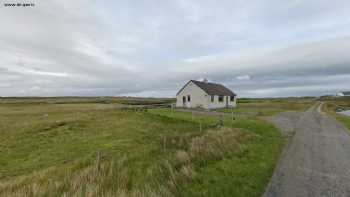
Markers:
point(221, 98)
point(212, 98)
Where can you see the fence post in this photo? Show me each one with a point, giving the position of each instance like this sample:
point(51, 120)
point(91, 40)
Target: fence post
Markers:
point(233, 118)
point(164, 143)
point(98, 160)
point(221, 120)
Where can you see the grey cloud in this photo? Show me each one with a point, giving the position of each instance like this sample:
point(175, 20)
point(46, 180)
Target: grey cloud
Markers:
point(151, 48)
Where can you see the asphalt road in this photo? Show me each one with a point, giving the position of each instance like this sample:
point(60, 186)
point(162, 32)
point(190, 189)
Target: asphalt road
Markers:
point(316, 161)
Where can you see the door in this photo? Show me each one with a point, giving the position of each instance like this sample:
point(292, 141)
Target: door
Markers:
point(183, 101)
point(188, 101)
point(226, 101)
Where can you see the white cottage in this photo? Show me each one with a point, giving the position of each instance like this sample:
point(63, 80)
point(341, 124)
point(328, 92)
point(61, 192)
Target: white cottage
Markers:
point(343, 93)
point(203, 94)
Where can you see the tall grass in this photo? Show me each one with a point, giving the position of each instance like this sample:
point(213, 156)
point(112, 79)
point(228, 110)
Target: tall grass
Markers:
point(113, 178)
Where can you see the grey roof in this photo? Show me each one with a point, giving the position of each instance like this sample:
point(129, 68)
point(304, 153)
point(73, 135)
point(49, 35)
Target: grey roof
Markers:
point(211, 88)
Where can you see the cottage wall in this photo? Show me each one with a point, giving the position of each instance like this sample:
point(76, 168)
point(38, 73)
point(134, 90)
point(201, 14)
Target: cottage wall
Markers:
point(216, 104)
point(199, 98)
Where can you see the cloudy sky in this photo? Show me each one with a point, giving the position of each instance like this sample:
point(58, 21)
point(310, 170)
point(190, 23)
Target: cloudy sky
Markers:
point(258, 48)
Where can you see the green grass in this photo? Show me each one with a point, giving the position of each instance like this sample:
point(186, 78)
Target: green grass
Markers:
point(31, 142)
point(250, 110)
point(80, 100)
point(332, 105)
point(93, 149)
point(268, 107)
point(187, 116)
point(244, 175)
point(344, 119)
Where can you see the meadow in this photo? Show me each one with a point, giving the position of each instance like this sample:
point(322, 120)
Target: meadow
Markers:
point(269, 106)
point(86, 100)
point(69, 148)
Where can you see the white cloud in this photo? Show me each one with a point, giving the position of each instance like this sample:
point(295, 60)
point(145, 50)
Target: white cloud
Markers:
point(23, 70)
point(89, 47)
point(243, 77)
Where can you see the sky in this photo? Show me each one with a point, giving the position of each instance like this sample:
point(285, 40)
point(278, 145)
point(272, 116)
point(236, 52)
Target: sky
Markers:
point(151, 48)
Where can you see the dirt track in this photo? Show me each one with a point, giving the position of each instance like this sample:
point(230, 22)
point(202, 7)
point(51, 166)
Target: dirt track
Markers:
point(316, 162)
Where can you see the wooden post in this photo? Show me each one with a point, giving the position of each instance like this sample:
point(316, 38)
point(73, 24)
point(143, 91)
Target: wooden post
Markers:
point(221, 121)
point(164, 143)
point(98, 160)
point(232, 113)
point(232, 117)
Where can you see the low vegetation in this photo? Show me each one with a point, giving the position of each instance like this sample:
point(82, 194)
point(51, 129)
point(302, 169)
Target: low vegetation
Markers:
point(336, 104)
point(268, 107)
point(94, 149)
point(242, 174)
point(89, 100)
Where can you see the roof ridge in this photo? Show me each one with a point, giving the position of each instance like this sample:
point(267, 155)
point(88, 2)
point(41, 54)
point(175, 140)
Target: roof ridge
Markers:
point(214, 88)
point(207, 82)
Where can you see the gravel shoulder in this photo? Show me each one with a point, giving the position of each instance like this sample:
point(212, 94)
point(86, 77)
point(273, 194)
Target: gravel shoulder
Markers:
point(286, 122)
point(316, 161)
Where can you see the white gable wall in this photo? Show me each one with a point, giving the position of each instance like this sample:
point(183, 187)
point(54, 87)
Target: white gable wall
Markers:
point(199, 98)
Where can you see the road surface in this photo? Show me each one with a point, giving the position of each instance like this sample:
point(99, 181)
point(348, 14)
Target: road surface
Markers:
point(316, 161)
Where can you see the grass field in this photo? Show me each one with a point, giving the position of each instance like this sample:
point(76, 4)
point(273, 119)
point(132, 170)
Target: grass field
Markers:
point(86, 100)
point(245, 174)
point(268, 107)
point(334, 104)
point(94, 149)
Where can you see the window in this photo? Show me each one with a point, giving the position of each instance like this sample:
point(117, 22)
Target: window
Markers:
point(188, 98)
point(232, 98)
point(221, 98)
point(212, 98)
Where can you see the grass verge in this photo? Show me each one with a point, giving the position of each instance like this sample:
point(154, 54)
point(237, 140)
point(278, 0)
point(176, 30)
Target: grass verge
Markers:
point(243, 174)
point(52, 151)
point(332, 105)
point(268, 107)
